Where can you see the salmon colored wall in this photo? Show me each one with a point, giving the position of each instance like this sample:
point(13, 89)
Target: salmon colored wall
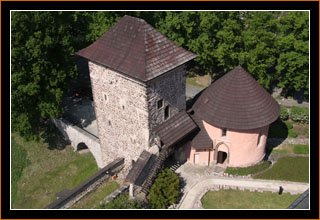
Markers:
point(243, 149)
point(203, 156)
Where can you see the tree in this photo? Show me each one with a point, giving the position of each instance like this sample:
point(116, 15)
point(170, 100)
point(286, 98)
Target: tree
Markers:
point(293, 44)
point(165, 190)
point(42, 67)
point(122, 202)
point(259, 51)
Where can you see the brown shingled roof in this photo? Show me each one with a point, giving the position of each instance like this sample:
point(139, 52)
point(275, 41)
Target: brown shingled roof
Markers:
point(237, 101)
point(175, 128)
point(202, 140)
point(135, 48)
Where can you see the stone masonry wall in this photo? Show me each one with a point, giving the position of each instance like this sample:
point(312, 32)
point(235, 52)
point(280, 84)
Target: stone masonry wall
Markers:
point(171, 87)
point(122, 114)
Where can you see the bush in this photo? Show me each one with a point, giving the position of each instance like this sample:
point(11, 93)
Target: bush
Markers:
point(122, 202)
point(301, 149)
point(299, 114)
point(292, 134)
point(284, 115)
point(165, 190)
point(289, 124)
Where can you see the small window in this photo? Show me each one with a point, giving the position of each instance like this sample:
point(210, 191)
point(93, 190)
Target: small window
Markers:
point(105, 97)
point(123, 107)
point(160, 103)
point(224, 132)
point(109, 123)
point(259, 137)
point(166, 112)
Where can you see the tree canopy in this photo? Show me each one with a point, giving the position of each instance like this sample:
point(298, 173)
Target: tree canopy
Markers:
point(272, 46)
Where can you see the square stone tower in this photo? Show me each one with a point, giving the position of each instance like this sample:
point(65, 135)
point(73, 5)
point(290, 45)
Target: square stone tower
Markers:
point(138, 81)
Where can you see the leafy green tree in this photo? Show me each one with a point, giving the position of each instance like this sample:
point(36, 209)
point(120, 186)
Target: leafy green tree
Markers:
point(42, 67)
point(259, 51)
point(165, 190)
point(293, 45)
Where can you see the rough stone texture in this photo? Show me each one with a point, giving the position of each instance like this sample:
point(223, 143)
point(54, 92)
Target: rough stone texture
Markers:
point(77, 135)
point(126, 109)
point(171, 87)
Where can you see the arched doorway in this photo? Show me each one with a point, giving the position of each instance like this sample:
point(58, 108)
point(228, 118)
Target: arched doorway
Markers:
point(221, 153)
point(81, 146)
point(222, 156)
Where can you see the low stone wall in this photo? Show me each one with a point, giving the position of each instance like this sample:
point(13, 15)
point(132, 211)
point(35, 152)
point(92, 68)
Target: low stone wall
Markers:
point(67, 198)
point(274, 142)
point(198, 204)
point(115, 194)
point(77, 135)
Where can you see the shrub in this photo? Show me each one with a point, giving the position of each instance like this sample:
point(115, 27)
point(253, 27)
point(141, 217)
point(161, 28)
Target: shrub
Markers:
point(289, 124)
point(301, 149)
point(284, 115)
point(165, 190)
point(292, 134)
point(122, 202)
point(299, 114)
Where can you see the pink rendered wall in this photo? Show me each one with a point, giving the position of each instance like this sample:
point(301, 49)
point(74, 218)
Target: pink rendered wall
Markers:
point(243, 149)
point(203, 156)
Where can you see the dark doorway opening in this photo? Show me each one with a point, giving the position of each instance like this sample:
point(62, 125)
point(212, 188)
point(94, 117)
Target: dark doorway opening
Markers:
point(81, 146)
point(222, 156)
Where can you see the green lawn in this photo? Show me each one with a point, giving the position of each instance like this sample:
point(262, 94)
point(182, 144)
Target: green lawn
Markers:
point(237, 199)
point(288, 168)
point(92, 201)
point(243, 171)
point(19, 162)
point(301, 149)
point(49, 172)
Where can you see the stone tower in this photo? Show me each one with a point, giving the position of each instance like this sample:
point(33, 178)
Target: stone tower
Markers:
point(138, 81)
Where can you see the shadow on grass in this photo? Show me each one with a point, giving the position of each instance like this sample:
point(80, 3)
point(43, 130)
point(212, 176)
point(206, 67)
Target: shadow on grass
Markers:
point(52, 136)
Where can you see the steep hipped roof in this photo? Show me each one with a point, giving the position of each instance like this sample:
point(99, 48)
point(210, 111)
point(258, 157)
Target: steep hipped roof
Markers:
point(135, 48)
point(237, 101)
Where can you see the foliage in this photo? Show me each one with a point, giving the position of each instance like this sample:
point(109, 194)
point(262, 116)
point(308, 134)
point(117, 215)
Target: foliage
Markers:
point(122, 202)
point(243, 171)
point(292, 133)
point(19, 161)
point(230, 199)
point(299, 114)
point(50, 171)
point(165, 190)
point(284, 115)
point(294, 169)
point(288, 124)
point(301, 149)
point(42, 67)
point(293, 44)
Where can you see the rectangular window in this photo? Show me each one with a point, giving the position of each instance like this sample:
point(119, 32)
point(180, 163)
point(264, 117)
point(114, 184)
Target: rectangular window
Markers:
point(105, 97)
point(259, 137)
point(166, 112)
point(224, 132)
point(160, 103)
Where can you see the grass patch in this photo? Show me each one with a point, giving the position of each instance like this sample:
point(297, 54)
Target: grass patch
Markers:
point(301, 149)
point(92, 201)
point(243, 171)
point(18, 162)
point(197, 81)
point(49, 172)
point(281, 151)
point(289, 169)
point(237, 199)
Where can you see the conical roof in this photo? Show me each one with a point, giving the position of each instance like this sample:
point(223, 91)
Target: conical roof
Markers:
point(237, 101)
point(135, 48)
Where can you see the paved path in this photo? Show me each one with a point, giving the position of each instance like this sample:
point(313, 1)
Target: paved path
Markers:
point(190, 198)
point(290, 103)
